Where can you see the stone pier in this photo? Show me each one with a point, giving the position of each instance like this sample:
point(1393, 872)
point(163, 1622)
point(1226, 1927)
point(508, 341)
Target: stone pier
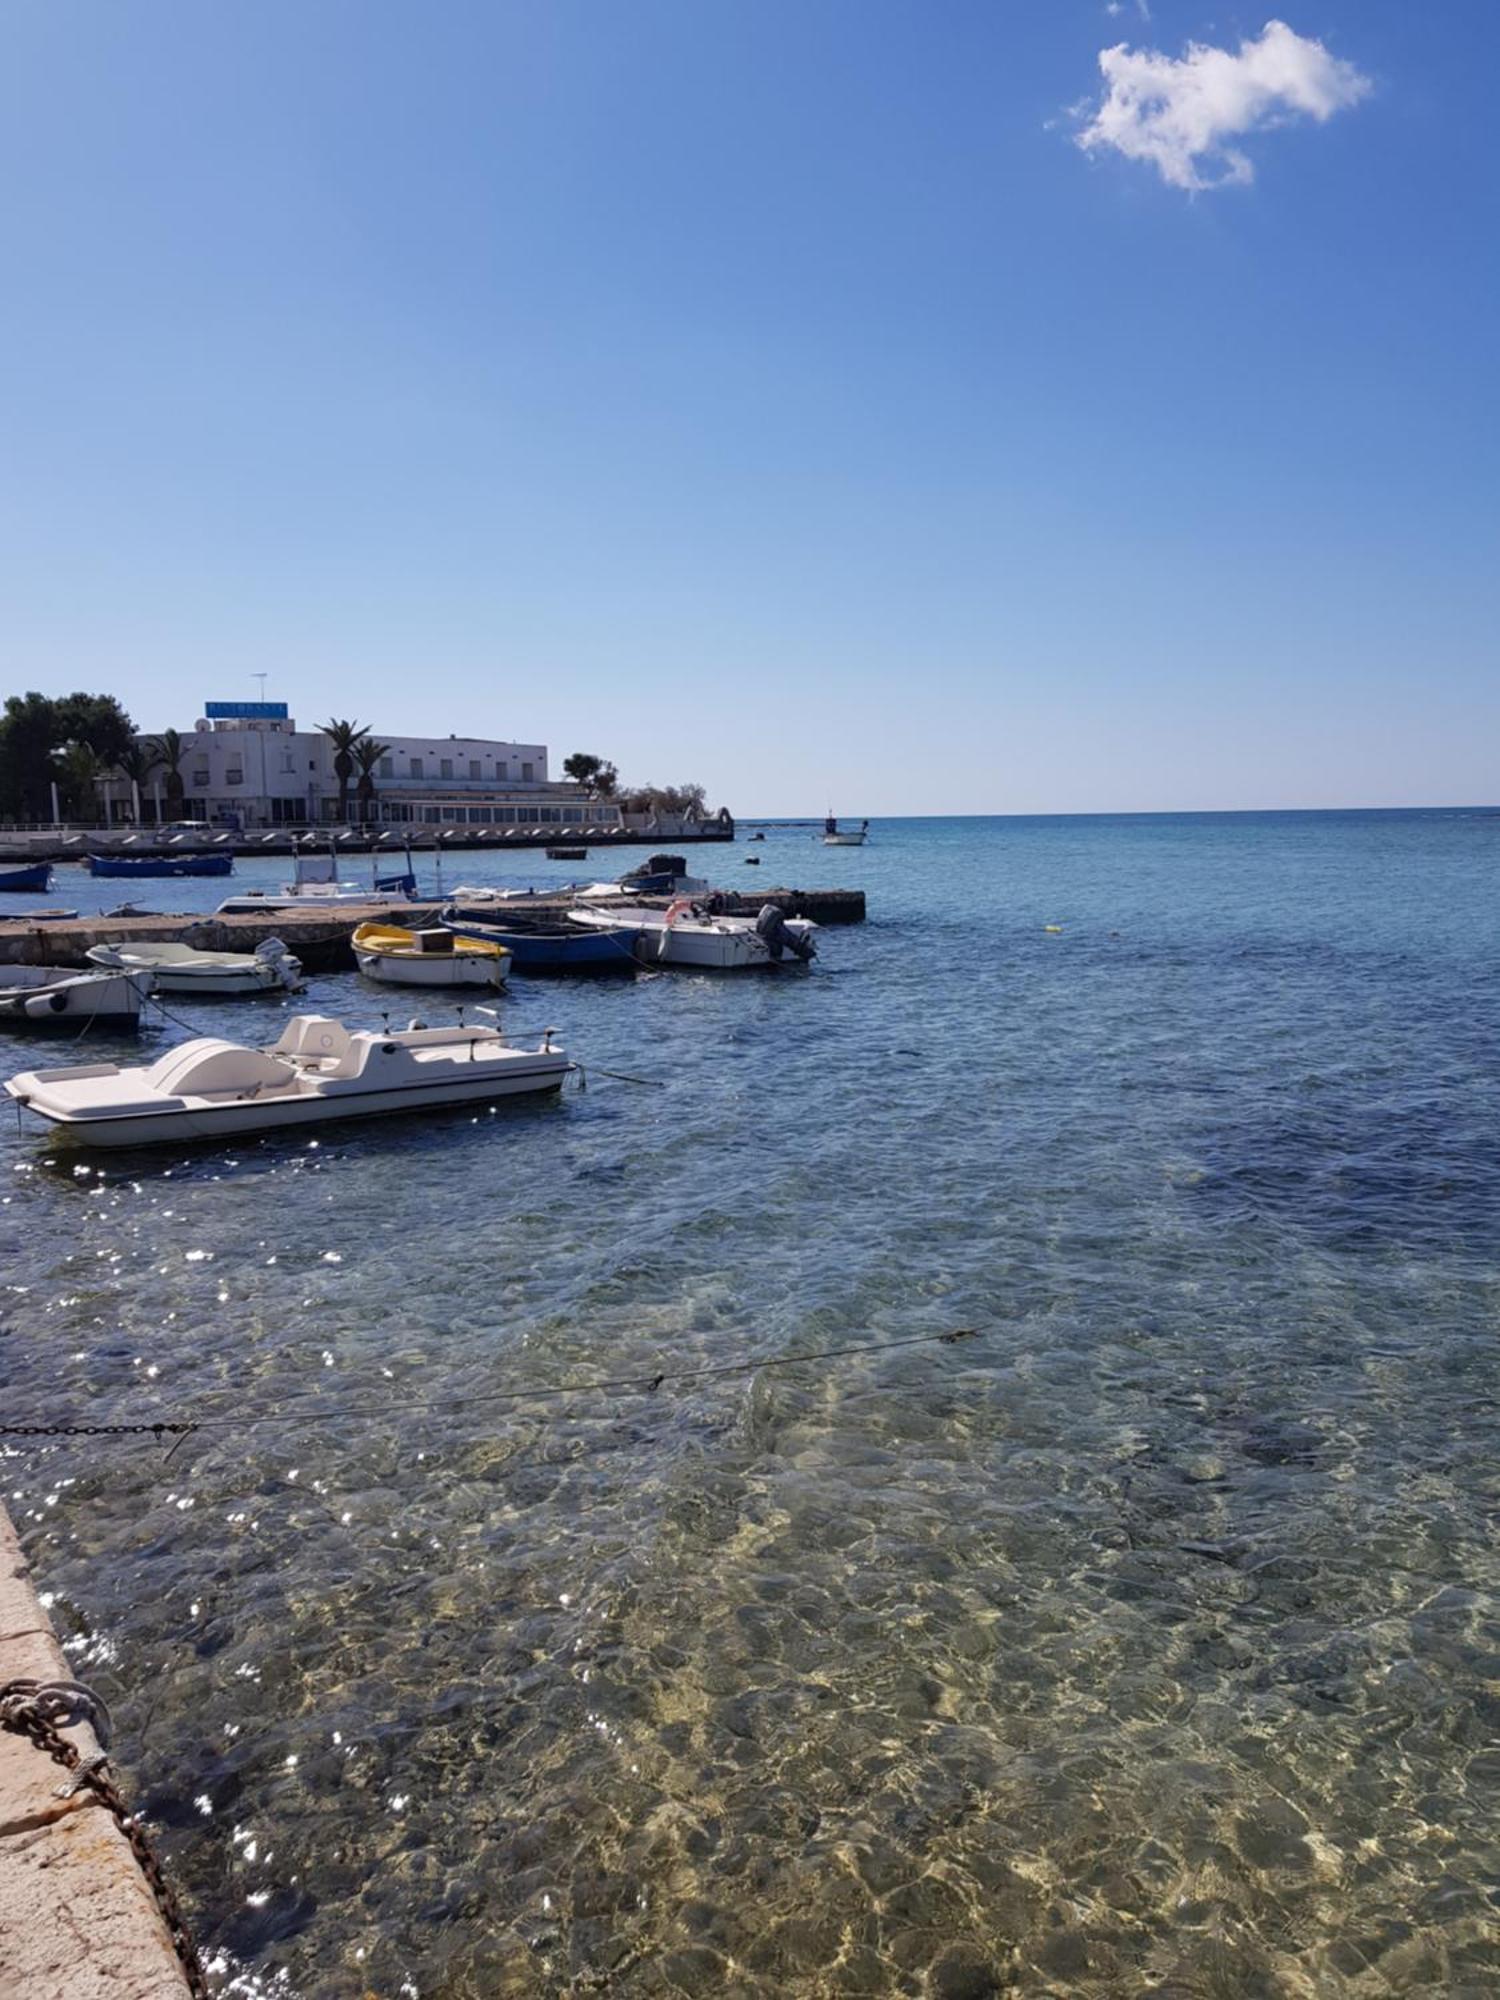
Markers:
point(77, 1920)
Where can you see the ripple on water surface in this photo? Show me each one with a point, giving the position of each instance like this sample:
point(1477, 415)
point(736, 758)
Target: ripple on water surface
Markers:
point(1147, 1642)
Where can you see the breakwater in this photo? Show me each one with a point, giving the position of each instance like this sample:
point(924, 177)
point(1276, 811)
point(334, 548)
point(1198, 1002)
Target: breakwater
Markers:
point(321, 938)
point(60, 844)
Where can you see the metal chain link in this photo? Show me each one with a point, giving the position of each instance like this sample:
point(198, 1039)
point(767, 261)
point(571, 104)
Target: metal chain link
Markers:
point(93, 1430)
point(32, 1709)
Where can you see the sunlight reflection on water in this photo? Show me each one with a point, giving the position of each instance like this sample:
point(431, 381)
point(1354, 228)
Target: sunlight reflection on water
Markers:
point(1147, 1642)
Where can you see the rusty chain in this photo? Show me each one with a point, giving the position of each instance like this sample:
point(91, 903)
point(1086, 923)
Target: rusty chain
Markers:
point(34, 1709)
point(92, 1430)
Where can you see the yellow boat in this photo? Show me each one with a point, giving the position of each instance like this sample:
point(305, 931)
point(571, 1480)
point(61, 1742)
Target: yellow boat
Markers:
point(428, 958)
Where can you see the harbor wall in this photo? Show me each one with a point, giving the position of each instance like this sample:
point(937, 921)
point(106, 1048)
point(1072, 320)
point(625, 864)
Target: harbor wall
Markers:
point(321, 939)
point(20, 845)
point(77, 1921)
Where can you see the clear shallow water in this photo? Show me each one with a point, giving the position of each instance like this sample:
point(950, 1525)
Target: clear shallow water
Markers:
point(1148, 1642)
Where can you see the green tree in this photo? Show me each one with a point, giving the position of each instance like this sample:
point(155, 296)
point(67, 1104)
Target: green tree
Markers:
point(135, 764)
point(598, 777)
point(78, 770)
point(674, 799)
point(29, 733)
point(98, 722)
point(170, 749)
point(34, 727)
point(346, 738)
point(367, 754)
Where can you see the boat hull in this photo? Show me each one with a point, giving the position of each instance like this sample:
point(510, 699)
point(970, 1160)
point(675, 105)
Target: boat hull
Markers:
point(38, 997)
point(130, 867)
point(219, 975)
point(32, 880)
point(433, 970)
point(563, 949)
point(710, 944)
point(239, 1121)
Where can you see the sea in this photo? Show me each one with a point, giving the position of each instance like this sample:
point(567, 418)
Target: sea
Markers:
point(596, 1571)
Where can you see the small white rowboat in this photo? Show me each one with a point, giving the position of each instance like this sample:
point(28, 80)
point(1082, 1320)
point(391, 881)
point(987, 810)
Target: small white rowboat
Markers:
point(179, 968)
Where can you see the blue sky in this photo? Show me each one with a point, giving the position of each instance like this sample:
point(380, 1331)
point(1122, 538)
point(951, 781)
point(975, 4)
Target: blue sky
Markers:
point(767, 392)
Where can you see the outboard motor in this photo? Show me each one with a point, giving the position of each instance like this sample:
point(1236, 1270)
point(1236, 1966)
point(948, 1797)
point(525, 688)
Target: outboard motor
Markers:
point(272, 951)
point(771, 924)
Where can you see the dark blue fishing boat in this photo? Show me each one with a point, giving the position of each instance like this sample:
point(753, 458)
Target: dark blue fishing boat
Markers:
point(551, 944)
point(130, 866)
point(35, 877)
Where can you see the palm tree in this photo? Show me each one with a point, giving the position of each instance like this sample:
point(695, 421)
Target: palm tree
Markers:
point(367, 754)
point(135, 764)
point(170, 748)
point(78, 773)
point(346, 738)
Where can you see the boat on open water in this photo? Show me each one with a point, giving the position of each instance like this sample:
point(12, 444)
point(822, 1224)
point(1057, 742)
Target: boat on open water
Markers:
point(834, 837)
point(180, 968)
point(317, 1071)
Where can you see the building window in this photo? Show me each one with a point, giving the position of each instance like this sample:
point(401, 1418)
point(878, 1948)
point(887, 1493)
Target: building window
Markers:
point(475, 768)
point(528, 771)
point(445, 768)
point(387, 767)
point(200, 778)
point(416, 767)
point(502, 769)
point(433, 815)
point(236, 777)
point(288, 762)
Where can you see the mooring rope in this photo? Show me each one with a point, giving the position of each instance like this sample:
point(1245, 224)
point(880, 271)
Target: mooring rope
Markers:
point(618, 1385)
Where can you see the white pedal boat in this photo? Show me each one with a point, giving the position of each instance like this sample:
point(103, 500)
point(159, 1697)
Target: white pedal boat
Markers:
point(437, 957)
point(318, 1070)
point(680, 936)
point(50, 996)
point(179, 968)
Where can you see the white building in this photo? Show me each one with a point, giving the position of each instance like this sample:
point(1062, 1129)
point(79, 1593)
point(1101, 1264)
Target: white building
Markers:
point(247, 764)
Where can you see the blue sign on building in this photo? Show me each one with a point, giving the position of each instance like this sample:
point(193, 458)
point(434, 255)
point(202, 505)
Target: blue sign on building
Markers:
point(245, 711)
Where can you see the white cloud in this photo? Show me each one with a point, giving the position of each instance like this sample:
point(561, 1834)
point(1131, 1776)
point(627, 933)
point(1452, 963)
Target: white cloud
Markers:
point(1182, 112)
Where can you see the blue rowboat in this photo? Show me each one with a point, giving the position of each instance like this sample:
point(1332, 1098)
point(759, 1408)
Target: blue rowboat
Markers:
point(130, 866)
point(550, 944)
point(36, 877)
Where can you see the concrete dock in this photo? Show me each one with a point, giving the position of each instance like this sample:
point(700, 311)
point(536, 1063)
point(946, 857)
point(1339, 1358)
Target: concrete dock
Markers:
point(77, 1921)
point(321, 938)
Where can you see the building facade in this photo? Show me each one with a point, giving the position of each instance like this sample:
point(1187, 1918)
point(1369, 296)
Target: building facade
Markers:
point(248, 765)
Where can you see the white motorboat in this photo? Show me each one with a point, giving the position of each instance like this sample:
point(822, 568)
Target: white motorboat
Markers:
point(832, 837)
point(318, 1070)
point(681, 935)
point(315, 879)
point(179, 968)
point(474, 900)
point(428, 958)
point(51, 996)
point(661, 875)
